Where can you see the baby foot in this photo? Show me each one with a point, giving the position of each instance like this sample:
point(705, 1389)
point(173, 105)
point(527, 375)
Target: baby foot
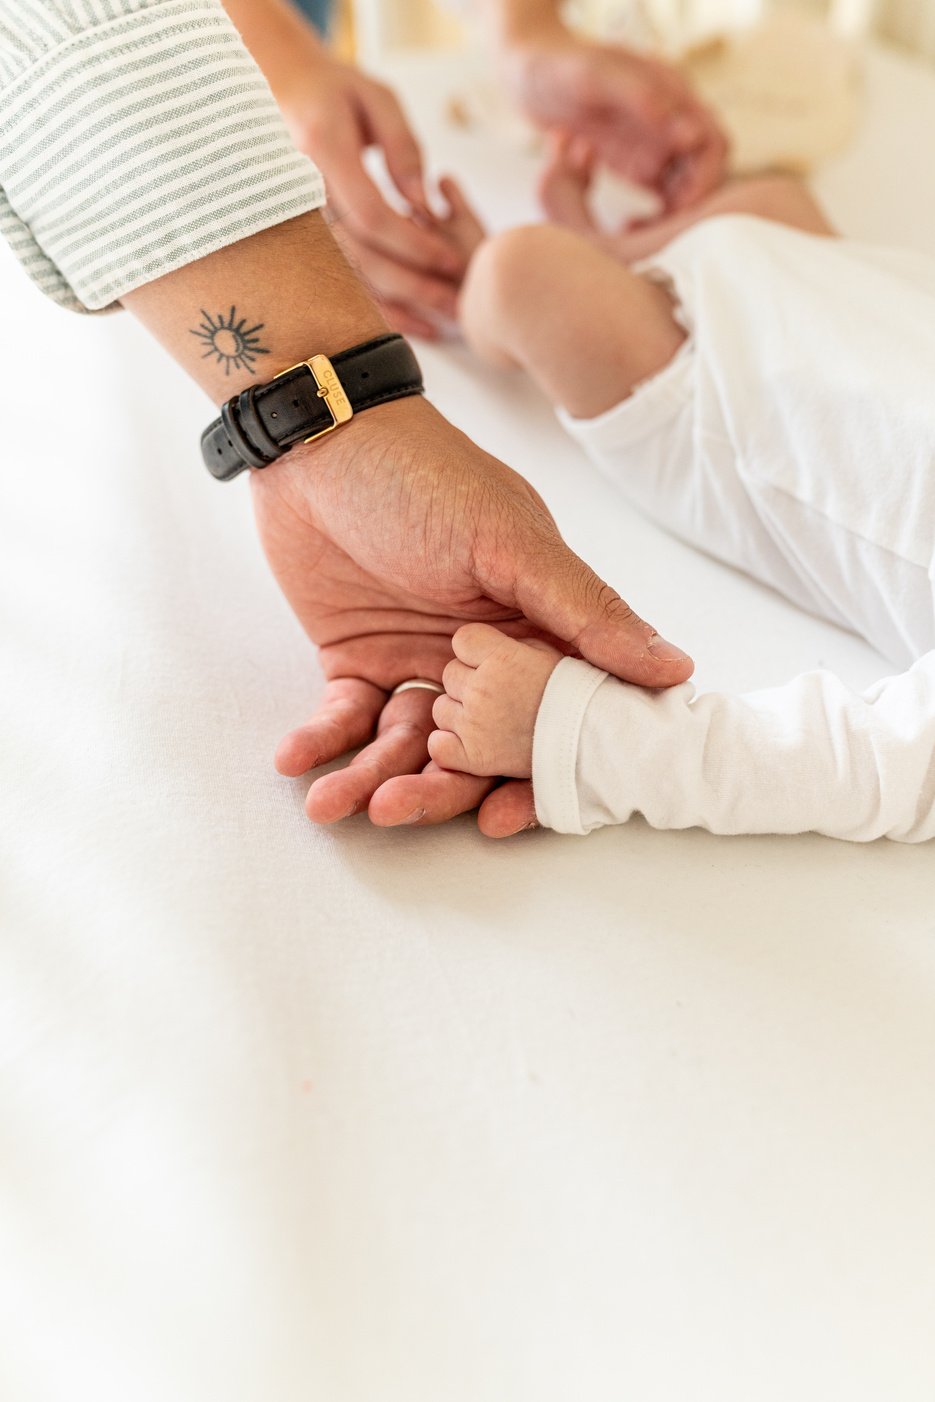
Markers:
point(493, 690)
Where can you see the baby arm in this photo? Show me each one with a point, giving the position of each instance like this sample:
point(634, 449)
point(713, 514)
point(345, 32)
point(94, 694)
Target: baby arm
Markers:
point(811, 756)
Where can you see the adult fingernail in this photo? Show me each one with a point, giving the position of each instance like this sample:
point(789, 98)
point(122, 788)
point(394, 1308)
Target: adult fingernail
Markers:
point(665, 651)
point(415, 816)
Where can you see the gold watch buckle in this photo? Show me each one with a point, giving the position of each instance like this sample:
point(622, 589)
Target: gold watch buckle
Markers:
point(330, 389)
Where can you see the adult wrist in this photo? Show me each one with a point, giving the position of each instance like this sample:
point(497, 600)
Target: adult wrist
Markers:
point(532, 59)
point(303, 76)
point(282, 42)
point(352, 466)
point(314, 398)
point(519, 24)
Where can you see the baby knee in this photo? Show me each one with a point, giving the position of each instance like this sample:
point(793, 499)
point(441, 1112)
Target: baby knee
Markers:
point(506, 280)
point(508, 264)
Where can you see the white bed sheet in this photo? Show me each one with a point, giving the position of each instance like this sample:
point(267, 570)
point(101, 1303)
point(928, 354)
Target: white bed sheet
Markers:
point(288, 1113)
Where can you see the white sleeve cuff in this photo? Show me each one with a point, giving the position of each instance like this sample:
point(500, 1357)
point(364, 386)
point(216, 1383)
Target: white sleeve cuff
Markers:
point(555, 744)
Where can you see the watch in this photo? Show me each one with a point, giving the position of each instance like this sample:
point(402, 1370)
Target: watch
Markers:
point(307, 401)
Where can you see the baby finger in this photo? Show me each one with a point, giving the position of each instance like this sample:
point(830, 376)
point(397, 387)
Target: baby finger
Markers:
point(447, 713)
point(448, 752)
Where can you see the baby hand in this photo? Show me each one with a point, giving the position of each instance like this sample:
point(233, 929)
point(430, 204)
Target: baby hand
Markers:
point(493, 690)
point(459, 224)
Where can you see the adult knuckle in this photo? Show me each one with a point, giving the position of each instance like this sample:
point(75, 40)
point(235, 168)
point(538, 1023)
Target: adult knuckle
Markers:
point(410, 730)
point(615, 609)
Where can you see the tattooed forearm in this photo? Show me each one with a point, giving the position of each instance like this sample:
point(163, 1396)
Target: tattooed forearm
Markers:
point(230, 340)
point(252, 322)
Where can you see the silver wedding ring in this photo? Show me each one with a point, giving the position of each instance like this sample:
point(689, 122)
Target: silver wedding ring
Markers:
point(418, 684)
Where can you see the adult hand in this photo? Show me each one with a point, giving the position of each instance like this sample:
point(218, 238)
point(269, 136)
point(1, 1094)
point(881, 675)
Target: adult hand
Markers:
point(640, 116)
point(414, 261)
point(385, 538)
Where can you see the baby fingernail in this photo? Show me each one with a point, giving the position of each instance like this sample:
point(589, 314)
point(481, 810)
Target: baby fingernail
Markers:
point(665, 651)
point(415, 816)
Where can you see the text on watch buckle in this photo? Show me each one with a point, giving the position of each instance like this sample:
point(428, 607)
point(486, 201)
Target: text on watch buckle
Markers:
point(330, 389)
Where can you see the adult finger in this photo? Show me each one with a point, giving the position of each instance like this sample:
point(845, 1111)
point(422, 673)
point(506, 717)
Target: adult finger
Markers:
point(400, 748)
point(345, 718)
point(621, 80)
point(559, 592)
point(373, 222)
point(635, 153)
point(695, 175)
point(686, 116)
point(409, 321)
point(696, 141)
point(508, 810)
point(397, 283)
point(386, 126)
point(657, 120)
point(434, 796)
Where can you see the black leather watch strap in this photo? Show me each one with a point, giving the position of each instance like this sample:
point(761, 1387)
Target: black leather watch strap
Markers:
point(265, 421)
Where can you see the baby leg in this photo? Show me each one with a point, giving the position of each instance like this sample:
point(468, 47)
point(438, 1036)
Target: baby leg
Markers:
point(779, 198)
point(586, 328)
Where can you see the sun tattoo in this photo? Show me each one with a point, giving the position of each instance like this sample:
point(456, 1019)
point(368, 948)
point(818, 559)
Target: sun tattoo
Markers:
point(230, 341)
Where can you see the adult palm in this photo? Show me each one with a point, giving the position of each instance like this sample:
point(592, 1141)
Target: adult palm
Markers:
point(384, 539)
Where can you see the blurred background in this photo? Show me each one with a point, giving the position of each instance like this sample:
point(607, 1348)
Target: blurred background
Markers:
point(370, 27)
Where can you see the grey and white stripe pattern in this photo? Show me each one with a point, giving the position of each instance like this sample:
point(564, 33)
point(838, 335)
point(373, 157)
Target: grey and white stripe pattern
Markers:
point(135, 137)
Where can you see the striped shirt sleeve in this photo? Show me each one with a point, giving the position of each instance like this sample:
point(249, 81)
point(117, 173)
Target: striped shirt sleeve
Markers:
point(135, 137)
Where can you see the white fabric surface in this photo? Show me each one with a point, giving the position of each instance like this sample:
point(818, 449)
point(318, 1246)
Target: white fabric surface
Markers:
point(793, 437)
point(402, 1117)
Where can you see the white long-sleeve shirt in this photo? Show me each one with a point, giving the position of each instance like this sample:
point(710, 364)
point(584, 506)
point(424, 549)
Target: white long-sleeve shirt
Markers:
point(812, 756)
point(135, 137)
